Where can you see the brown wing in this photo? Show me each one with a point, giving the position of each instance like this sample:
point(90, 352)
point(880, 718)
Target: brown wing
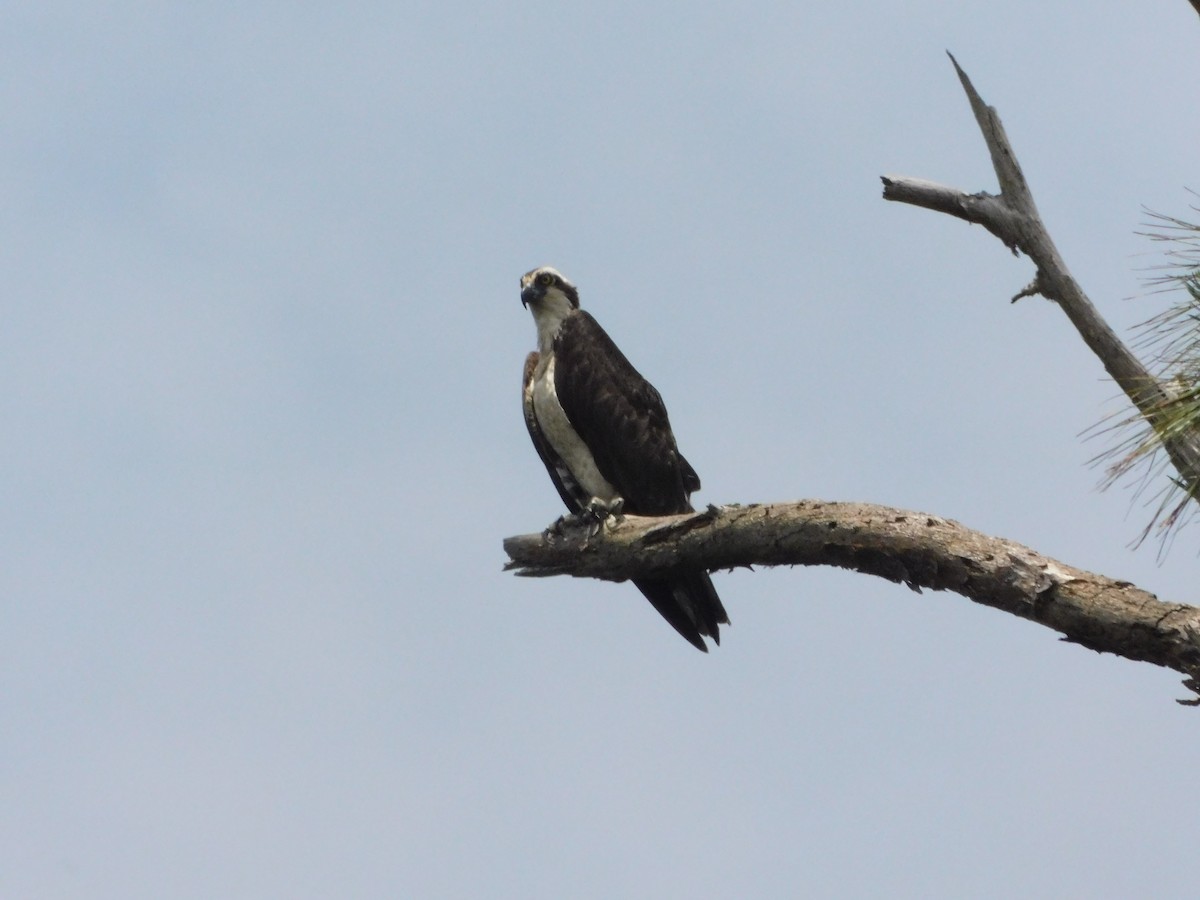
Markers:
point(621, 418)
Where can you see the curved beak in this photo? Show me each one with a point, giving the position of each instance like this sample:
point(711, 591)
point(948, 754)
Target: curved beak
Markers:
point(529, 294)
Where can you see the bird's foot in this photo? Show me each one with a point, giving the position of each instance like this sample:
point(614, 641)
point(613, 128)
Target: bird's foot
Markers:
point(588, 522)
point(557, 528)
point(597, 514)
point(602, 510)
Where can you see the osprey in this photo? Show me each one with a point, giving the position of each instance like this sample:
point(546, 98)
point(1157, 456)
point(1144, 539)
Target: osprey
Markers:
point(603, 433)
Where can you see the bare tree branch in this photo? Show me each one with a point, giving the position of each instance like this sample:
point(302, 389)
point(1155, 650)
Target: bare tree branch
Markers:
point(913, 548)
point(920, 550)
point(1013, 217)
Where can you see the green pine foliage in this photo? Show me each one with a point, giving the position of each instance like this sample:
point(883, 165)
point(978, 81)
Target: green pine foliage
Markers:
point(1172, 341)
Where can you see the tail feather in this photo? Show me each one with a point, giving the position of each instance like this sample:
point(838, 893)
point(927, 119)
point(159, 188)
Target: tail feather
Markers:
point(689, 602)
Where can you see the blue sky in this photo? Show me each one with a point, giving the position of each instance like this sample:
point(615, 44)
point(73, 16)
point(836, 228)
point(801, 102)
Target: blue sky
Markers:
point(261, 353)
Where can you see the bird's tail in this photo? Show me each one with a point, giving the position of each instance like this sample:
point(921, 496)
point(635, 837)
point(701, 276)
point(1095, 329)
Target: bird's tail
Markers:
point(690, 603)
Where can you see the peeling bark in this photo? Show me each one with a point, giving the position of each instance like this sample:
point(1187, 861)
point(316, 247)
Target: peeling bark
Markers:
point(912, 548)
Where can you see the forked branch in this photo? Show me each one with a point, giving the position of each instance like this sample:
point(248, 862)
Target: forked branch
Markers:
point(1013, 217)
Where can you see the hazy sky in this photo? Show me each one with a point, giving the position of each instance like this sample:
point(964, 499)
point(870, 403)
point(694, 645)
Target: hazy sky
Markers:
point(261, 351)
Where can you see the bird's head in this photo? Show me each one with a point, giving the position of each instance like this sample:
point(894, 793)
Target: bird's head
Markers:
point(546, 288)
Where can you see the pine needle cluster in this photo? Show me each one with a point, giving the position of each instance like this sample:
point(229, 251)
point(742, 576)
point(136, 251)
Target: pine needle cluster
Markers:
point(1171, 341)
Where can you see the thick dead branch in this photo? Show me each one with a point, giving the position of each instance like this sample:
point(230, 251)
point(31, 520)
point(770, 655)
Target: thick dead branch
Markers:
point(1013, 217)
point(919, 550)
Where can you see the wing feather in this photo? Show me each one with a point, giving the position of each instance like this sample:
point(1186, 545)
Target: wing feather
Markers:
point(622, 419)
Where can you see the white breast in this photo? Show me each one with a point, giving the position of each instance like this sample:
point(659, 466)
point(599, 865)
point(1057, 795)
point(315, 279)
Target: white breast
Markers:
point(564, 439)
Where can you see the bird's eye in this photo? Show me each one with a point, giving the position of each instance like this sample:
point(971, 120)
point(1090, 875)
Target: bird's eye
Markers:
point(545, 279)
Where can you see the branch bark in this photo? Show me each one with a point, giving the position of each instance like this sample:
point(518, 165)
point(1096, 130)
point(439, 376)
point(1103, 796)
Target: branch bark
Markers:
point(916, 549)
point(1012, 216)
